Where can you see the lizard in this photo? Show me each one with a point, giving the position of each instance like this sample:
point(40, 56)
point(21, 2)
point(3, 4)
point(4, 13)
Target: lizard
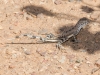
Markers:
point(65, 36)
point(73, 32)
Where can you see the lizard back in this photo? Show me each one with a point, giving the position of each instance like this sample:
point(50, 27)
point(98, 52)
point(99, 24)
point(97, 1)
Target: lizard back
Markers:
point(73, 31)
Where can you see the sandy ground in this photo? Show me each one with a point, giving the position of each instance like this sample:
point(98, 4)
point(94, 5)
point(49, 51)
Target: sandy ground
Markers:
point(38, 17)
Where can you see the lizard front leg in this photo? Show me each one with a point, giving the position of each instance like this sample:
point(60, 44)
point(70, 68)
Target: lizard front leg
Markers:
point(74, 39)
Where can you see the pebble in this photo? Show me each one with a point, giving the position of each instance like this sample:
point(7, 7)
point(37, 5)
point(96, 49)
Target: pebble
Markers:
point(42, 53)
point(43, 1)
point(88, 62)
point(76, 65)
point(95, 15)
point(11, 66)
point(78, 61)
point(41, 16)
point(16, 32)
point(1, 27)
point(57, 2)
point(27, 52)
point(55, 57)
point(17, 36)
point(71, 70)
point(11, 28)
point(63, 59)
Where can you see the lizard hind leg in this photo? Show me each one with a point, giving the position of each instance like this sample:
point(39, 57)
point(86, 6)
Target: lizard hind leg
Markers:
point(59, 46)
point(50, 36)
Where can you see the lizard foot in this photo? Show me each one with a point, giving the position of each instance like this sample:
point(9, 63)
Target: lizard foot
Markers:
point(50, 36)
point(59, 46)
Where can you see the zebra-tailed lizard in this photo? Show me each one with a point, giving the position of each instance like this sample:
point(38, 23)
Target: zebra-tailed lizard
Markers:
point(66, 35)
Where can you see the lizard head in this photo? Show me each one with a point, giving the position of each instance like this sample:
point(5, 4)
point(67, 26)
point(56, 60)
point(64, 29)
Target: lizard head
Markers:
point(84, 20)
point(82, 23)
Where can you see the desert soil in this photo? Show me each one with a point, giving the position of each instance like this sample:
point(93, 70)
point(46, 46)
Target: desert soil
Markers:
point(41, 17)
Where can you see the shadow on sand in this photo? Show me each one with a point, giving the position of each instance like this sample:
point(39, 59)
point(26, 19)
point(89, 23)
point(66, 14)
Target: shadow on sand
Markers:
point(35, 10)
point(87, 41)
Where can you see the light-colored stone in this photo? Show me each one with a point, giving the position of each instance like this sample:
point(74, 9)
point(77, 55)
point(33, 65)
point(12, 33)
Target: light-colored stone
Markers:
point(1, 27)
point(95, 15)
point(62, 59)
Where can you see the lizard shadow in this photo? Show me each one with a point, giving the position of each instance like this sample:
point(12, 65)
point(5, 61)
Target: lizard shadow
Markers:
point(87, 9)
point(87, 41)
point(36, 10)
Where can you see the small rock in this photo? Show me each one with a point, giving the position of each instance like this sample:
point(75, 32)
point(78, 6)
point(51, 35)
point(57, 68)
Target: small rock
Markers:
point(71, 58)
point(11, 66)
point(41, 53)
point(76, 66)
point(10, 28)
point(43, 1)
point(57, 2)
point(63, 59)
point(77, 61)
point(50, 51)
point(55, 57)
point(41, 16)
point(98, 62)
point(17, 36)
point(89, 63)
point(71, 70)
point(95, 15)
point(16, 32)
point(1, 27)
point(27, 52)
